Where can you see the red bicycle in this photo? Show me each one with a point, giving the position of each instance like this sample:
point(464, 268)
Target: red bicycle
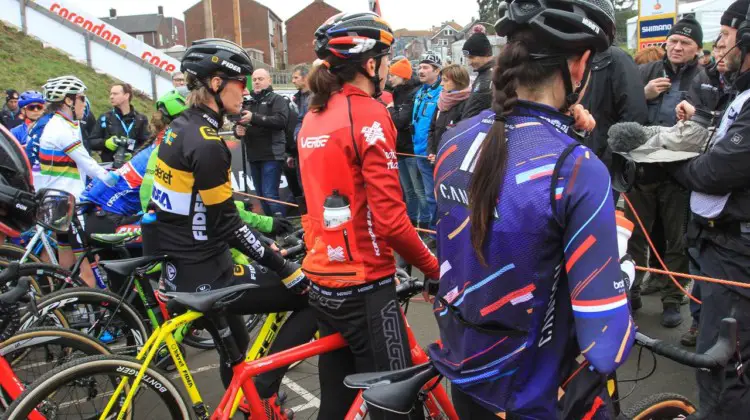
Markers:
point(139, 388)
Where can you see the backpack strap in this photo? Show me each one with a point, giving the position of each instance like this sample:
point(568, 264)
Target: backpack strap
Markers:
point(556, 174)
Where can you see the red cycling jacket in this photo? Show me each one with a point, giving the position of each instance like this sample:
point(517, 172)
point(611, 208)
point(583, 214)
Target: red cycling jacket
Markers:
point(351, 147)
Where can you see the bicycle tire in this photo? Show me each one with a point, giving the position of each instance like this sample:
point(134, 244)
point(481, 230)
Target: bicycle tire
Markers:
point(17, 348)
point(663, 406)
point(208, 343)
point(94, 302)
point(54, 277)
point(12, 252)
point(80, 371)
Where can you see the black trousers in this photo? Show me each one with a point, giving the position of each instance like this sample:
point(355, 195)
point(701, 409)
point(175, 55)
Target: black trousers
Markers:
point(373, 326)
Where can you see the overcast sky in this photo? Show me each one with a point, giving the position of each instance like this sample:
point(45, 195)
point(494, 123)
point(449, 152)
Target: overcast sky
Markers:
point(410, 14)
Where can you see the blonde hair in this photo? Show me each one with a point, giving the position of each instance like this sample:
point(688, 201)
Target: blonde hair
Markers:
point(649, 54)
point(457, 74)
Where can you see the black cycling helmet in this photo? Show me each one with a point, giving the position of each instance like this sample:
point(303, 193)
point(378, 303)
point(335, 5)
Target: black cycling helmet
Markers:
point(213, 56)
point(354, 37)
point(16, 187)
point(564, 27)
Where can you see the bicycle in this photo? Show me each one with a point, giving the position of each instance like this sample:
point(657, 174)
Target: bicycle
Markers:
point(137, 375)
point(27, 355)
point(397, 391)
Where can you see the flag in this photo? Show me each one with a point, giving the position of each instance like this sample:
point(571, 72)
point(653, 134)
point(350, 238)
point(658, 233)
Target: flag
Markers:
point(375, 7)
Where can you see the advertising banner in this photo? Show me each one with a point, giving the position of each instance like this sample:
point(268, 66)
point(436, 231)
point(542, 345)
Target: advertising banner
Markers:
point(655, 20)
point(111, 34)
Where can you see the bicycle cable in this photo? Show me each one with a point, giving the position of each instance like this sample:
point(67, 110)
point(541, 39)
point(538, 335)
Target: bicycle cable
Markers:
point(637, 379)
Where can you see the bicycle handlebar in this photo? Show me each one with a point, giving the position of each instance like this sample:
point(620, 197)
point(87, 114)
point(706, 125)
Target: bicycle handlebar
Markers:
point(13, 295)
point(714, 358)
point(411, 287)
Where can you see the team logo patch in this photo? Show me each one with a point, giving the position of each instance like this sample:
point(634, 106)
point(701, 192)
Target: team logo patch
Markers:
point(239, 270)
point(336, 254)
point(214, 59)
point(169, 137)
point(171, 271)
point(736, 139)
point(374, 133)
point(203, 288)
point(209, 133)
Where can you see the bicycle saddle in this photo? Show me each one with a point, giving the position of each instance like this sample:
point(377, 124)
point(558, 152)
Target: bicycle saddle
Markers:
point(205, 302)
point(399, 397)
point(370, 379)
point(127, 266)
point(114, 239)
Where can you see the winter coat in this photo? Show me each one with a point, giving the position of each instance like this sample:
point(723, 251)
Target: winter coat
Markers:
point(443, 122)
point(266, 137)
point(403, 104)
point(481, 92)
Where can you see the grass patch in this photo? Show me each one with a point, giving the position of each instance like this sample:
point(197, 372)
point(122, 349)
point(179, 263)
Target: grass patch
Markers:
point(27, 65)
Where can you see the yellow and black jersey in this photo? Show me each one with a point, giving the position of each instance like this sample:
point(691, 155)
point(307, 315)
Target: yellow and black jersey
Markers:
point(196, 216)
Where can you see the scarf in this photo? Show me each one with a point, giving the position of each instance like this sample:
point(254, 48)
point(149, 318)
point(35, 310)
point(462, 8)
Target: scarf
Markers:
point(450, 99)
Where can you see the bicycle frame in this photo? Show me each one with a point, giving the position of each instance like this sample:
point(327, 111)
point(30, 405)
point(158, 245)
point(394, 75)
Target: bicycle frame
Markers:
point(40, 235)
point(10, 383)
point(244, 373)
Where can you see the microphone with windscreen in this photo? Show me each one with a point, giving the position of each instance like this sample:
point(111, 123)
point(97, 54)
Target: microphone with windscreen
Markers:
point(626, 136)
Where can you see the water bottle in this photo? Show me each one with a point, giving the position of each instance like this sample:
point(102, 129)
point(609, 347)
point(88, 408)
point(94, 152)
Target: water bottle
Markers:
point(336, 210)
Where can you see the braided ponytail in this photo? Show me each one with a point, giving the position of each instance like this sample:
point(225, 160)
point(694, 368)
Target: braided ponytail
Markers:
point(514, 68)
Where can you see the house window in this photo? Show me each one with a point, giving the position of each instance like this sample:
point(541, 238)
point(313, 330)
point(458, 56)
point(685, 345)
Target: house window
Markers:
point(161, 40)
point(139, 37)
point(448, 32)
point(443, 42)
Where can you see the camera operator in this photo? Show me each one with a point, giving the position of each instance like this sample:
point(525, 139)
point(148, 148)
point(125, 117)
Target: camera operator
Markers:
point(262, 130)
point(657, 196)
point(720, 230)
point(123, 126)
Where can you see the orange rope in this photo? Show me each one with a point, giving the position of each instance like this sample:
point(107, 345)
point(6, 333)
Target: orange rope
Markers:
point(266, 199)
point(692, 276)
point(656, 253)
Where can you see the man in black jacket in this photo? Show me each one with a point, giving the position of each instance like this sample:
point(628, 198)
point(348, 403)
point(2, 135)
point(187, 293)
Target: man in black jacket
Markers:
point(9, 115)
point(405, 88)
point(720, 231)
point(614, 94)
point(264, 139)
point(123, 126)
point(656, 195)
point(478, 52)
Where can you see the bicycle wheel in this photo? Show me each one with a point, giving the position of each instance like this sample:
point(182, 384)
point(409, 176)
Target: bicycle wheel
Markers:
point(665, 406)
point(202, 340)
point(82, 389)
point(13, 252)
point(99, 313)
point(48, 278)
point(34, 352)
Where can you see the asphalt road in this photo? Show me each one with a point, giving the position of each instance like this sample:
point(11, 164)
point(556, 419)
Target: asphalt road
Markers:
point(301, 385)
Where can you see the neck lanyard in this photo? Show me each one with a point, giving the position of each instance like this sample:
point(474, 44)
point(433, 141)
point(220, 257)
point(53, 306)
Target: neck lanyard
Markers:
point(128, 128)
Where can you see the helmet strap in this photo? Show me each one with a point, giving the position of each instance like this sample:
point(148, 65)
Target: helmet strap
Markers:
point(376, 78)
point(572, 95)
point(217, 95)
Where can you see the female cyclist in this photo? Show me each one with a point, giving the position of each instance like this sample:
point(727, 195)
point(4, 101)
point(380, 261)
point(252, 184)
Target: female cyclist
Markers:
point(356, 215)
point(64, 162)
point(196, 220)
point(532, 304)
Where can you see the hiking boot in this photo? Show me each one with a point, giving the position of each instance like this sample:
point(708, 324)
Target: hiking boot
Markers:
point(691, 336)
point(670, 316)
point(650, 288)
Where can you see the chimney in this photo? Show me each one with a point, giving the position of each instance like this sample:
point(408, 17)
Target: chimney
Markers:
point(161, 11)
point(112, 13)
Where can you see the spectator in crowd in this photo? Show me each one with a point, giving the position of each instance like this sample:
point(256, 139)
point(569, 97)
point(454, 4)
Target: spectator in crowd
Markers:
point(301, 101)
point(31, 105)
point(478, 52)
point(88, 125)
point(9, 114)
point(302, 97)
point(649, 54)
point(123, 126)
point(263, 133)
point(425, 106)
point(719, 181)
point(657, 196)
point(453, 99)
point(405, 87)
point(707, 59)
point(614, 94)
point(710, 94)
point(178, 79)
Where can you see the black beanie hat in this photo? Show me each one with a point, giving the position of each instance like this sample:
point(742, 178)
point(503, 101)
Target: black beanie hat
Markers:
point(478, 44)
point(10, 94)
point(690, 28)
point(735, 14)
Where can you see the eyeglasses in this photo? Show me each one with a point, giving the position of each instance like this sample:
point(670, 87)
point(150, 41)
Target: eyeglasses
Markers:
point(35, 107)
point(241, 79)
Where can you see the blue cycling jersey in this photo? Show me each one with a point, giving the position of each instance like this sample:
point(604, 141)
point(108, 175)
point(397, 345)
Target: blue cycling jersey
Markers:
point(19, 132)
point(124, 197)
point(552, 275)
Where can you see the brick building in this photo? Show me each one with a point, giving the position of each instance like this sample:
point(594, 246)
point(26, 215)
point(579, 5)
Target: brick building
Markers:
point(156, 30)
point(261, 27)
point(404, 37)
point(443, 37)
point(300, 31)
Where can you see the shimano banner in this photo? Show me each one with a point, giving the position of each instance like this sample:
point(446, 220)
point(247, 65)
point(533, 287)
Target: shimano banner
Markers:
point(655, 19)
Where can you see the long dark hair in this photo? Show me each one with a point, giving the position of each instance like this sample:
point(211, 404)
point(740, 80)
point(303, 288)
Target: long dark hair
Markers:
point(513, 68)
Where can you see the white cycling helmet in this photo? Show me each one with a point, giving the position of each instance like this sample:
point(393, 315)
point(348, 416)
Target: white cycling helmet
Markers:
point(55, 90)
